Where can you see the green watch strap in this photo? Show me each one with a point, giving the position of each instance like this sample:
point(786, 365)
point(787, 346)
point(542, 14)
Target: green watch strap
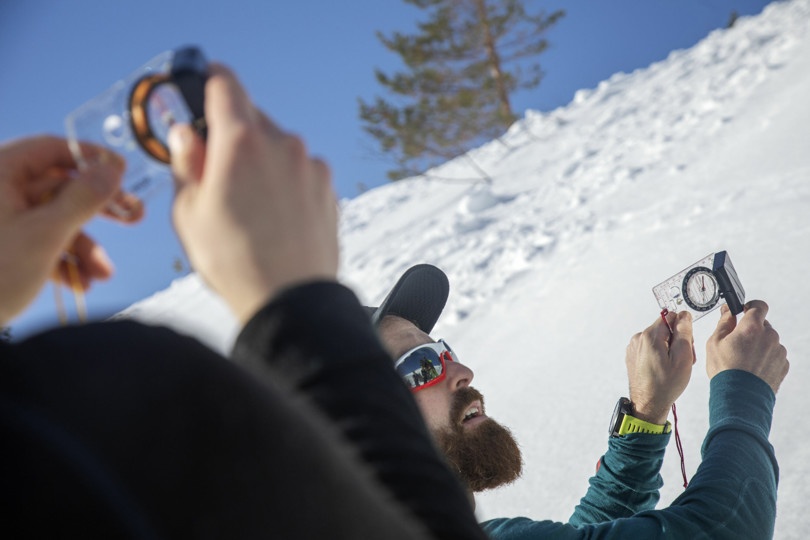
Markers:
point(631, 424)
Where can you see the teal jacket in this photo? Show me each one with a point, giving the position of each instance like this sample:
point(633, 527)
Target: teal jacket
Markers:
point(732, 495)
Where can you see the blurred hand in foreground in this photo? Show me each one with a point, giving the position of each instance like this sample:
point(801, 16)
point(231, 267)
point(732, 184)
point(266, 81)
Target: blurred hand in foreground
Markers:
point(44, 202)
point(254, 212)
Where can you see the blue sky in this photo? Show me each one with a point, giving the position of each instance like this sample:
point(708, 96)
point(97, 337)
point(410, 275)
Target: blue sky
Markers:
point(305, 62)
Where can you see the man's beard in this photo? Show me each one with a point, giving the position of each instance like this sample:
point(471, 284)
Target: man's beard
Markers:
point(486, 456)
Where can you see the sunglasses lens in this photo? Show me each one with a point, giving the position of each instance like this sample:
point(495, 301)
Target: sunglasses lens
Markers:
point(420, 367)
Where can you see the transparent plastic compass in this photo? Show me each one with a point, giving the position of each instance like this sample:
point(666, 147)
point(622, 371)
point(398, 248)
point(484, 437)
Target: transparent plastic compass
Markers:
point(133, 117)
point(702, 287)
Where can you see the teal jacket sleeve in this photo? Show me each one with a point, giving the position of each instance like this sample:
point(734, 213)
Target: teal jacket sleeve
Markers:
point(731, 496)
point(627, 481)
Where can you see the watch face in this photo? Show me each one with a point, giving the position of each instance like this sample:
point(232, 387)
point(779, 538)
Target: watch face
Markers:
point(700, 290)
point(618, 416)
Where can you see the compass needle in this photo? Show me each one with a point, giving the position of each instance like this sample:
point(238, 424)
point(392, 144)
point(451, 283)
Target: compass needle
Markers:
point(700, 290)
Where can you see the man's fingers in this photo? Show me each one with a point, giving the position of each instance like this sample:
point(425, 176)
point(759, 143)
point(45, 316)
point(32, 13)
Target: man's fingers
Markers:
point(682, 344)
point(85, 261)
point(83, 196)
point(682, 350)
point(757, 310)
point(36, 155)
point(124, 207)
point(268, 125)
point(658, 332)
point(225, 99)
point(93, 259)
point(785, 367)
point(682, 327)
point(725, 325)
point(40, 189)
point(188, 155)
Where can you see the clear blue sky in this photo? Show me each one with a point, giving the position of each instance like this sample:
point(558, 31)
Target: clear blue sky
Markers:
point(305, 62)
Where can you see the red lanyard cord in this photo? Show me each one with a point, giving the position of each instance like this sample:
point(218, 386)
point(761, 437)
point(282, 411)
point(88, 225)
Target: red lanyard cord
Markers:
point(675, 417)
point(679, 446)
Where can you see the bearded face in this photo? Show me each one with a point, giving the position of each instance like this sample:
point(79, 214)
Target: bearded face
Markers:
point(484, 453)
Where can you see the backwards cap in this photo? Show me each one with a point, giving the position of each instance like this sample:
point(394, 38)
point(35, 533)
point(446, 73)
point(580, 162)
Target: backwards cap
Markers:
point(419, 296)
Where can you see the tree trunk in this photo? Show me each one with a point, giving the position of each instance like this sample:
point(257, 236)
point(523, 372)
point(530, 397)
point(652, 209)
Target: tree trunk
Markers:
point(494, 60)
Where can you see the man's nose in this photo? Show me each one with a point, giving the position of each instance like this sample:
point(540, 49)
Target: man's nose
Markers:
point(458, 375)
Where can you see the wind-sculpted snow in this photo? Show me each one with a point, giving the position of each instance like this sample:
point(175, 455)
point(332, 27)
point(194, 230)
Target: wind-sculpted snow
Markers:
point(552, 260)
point(551, 169)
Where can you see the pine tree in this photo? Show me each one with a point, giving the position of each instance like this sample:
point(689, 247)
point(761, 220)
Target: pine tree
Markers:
point(463, 65)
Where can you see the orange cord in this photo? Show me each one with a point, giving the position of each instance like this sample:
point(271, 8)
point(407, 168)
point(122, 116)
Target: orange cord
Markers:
point(75, 284)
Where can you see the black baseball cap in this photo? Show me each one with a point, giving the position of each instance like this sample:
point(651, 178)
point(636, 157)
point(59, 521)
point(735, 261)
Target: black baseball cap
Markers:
point(419, 296)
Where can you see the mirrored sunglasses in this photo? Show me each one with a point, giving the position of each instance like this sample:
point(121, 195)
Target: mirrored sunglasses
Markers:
point(425, 365)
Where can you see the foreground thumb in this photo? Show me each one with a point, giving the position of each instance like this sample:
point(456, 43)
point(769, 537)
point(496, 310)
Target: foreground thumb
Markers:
point(85, 194)
point(187, 154)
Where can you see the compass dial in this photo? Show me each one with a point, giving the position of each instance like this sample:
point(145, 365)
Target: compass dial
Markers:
point(700, 289)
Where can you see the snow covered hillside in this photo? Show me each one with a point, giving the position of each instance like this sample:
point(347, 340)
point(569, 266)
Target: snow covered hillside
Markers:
point(552, 263)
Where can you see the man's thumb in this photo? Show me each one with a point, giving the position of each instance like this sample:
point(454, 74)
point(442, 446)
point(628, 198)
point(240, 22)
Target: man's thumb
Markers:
point(726, 324)
point(187, 154)
point(84, 195)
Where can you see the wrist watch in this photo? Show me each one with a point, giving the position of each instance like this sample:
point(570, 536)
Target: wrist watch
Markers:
point(623, 421)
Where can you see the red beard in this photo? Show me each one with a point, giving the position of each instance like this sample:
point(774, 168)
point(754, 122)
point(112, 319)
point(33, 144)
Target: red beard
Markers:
point(486, 456)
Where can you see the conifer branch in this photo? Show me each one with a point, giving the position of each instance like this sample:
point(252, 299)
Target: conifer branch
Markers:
point(462, 65)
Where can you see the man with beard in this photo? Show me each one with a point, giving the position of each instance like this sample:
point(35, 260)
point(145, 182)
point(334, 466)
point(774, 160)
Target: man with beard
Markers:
point(746, 364)
point(482, 451)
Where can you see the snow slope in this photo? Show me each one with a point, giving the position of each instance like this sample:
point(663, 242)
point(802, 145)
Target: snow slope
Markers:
point(552, 263)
